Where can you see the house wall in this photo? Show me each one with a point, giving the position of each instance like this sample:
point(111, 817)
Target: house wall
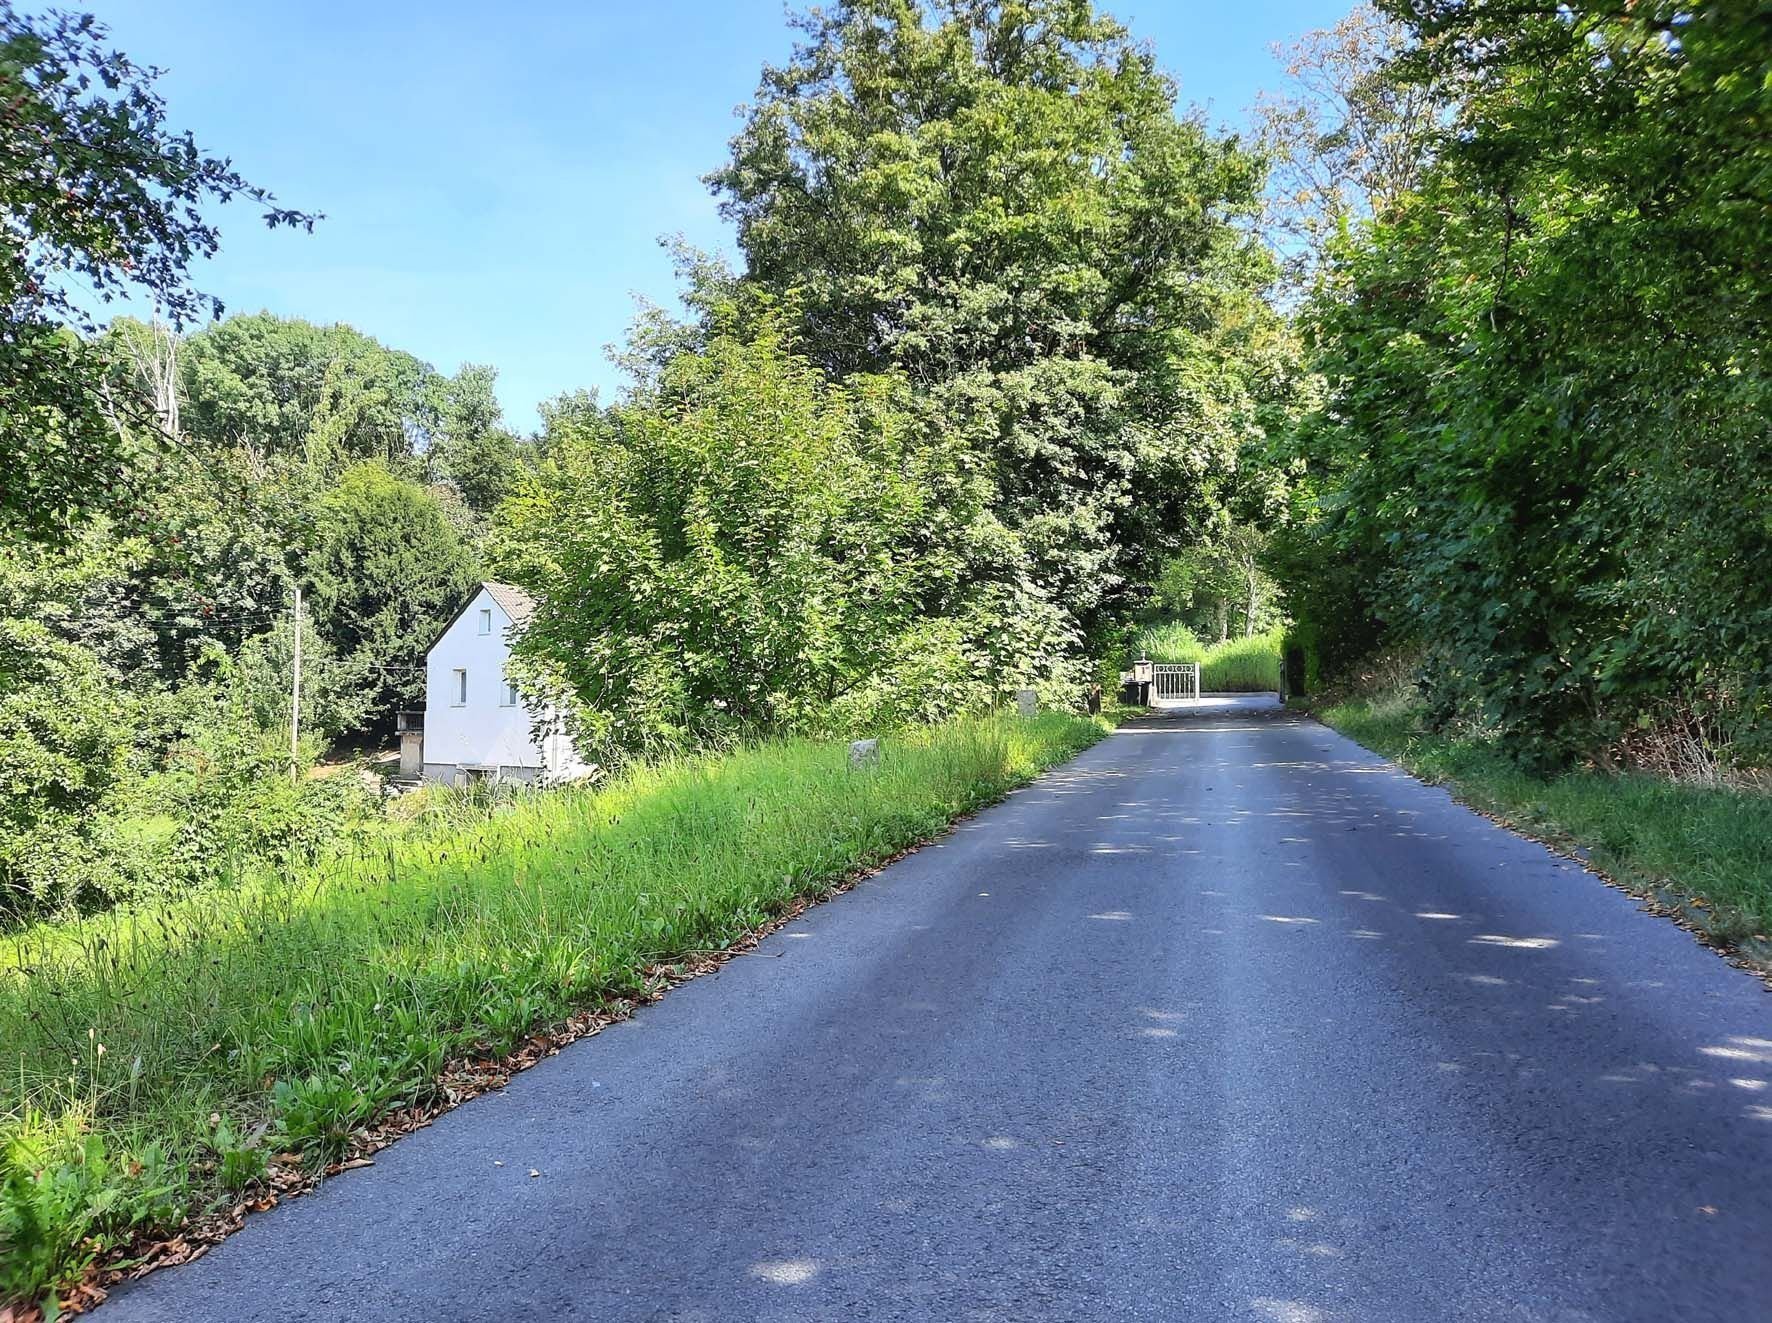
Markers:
point(481, 732)
point(412, 752)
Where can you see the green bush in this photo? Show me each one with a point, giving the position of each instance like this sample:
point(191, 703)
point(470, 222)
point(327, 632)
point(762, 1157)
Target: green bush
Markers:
point(110, 795)
point(746, 549)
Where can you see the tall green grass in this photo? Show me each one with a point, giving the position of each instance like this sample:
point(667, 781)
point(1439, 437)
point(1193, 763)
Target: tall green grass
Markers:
point(1169, 641)
point(1245, 665)
point(1707, 842)
point(154, 1058)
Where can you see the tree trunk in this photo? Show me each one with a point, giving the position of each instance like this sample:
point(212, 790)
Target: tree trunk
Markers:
point(1224, 618)
point(1254, 605)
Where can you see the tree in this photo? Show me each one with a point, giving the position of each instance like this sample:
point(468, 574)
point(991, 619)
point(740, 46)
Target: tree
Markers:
point(747, 548)
point(148, 353)
point(1346, 140)
point(1201, 585)
point(385, 572)
point(101, 196)
point(65, 739)
point(471, 451)
point(482, 468)
point(999, 202)
point(281, 387)
point(1546, 444)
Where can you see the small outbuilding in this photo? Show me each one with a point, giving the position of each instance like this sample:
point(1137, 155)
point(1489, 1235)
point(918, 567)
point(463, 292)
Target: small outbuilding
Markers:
point(477, 724)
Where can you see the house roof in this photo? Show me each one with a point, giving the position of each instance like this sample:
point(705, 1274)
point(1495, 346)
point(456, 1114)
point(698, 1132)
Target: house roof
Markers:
point(513, 601)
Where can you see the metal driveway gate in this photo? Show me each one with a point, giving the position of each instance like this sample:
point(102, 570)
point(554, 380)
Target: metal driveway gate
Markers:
point(1175, 680)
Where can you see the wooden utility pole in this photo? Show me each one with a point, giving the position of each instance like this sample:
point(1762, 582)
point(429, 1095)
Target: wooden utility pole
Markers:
point(295, 698)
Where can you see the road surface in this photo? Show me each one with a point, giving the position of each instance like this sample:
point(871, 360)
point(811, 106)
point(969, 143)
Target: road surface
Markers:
point(1226, 1020)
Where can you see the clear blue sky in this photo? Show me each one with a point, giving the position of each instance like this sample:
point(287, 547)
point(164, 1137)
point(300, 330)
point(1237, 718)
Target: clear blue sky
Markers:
point(495, 177)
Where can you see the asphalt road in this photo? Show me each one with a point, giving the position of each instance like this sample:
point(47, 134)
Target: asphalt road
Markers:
point(1226, 1020)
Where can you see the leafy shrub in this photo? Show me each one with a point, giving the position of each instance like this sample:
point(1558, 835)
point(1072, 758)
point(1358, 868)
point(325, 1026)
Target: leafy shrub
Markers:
point(1546, 452)
point(110, 796)
point(64, 1198)
point(748, 549)
point(316, 1114)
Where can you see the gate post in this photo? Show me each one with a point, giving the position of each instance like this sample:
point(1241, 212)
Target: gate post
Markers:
point(1142, 674)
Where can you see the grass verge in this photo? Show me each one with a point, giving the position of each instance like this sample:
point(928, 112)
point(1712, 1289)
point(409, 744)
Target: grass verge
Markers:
point(1702, 853)
point(161, 1063)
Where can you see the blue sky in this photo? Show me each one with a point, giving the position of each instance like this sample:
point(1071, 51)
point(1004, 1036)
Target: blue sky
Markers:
point(495, 177)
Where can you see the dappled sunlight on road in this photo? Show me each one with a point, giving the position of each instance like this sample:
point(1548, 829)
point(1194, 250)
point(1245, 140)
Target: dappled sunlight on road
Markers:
point(785, 1272)
point(1516, 943)
point(1742, 1049)
point(1286, 1311)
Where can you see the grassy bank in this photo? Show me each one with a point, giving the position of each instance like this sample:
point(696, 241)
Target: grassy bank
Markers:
point(1245, 665)
point(154, 1061)
point(1682, 843)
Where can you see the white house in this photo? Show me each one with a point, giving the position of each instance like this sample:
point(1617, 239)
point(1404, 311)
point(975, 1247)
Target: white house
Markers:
point(476, 724)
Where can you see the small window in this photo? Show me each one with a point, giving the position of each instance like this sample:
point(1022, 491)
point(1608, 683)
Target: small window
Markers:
point(461, 687)
point(510, 693)
point(486, 621)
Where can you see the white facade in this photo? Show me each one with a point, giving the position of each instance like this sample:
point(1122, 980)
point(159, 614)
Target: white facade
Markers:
point(476, 723)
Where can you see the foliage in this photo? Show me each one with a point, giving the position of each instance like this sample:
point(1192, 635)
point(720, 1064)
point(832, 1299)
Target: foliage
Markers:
point(386, 571)
point(469, 449)
point(314, 1003)
point(1345, 141)
point(112, 795)
point(482, 467)
point(746, 548)
point(65, 742)
point(101, 196)
point(286, 388)
point(144, 723)
point(1545, 453)
point(1202, 584)
point(1000, 203)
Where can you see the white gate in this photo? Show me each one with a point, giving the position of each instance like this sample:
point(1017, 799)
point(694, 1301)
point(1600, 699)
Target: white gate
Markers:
point(1175, 680)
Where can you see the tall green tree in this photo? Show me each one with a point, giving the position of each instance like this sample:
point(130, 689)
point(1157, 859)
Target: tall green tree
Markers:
point(999, 201)
point(749, 548)
point(281, 388)
point(1546, 441)
point(385, 571)
point(1346, 142)
point(471, 450)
